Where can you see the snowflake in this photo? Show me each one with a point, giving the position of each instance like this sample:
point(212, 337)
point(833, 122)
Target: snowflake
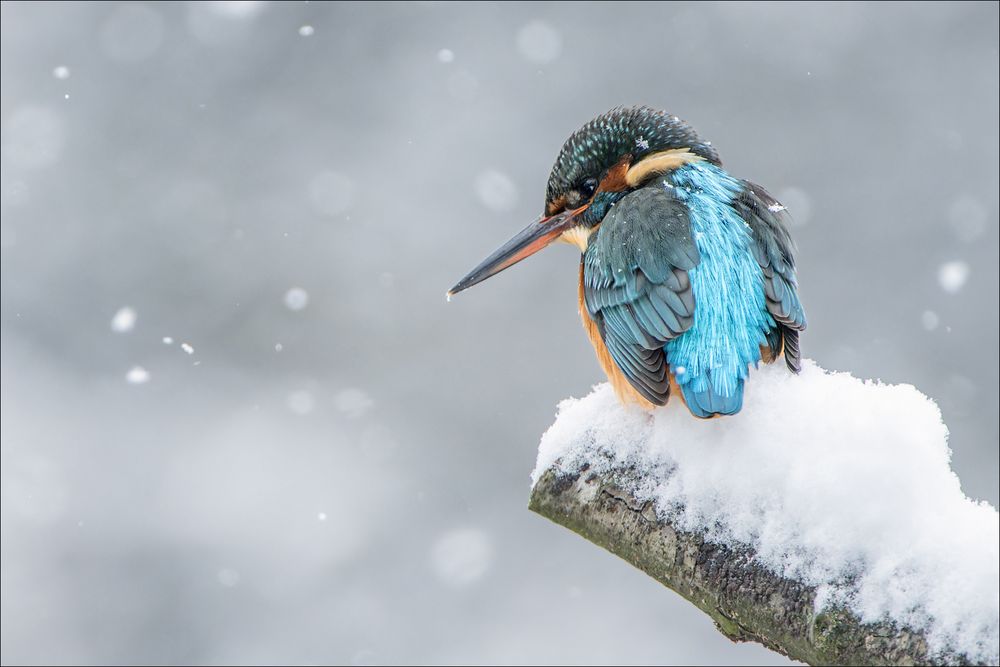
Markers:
point(641, 143)
point(775, 207)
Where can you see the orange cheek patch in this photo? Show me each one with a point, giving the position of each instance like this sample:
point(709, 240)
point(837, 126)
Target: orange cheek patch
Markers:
point(617, 177)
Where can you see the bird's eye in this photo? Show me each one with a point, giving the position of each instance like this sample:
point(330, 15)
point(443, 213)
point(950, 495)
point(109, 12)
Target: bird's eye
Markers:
point(581, 195)
point(588, 188)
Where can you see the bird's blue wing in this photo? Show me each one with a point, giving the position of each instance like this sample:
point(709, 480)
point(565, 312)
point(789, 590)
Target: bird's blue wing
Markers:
point(774, 250)
point(636, 286)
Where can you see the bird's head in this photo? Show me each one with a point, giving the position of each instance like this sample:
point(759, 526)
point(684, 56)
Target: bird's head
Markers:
point(600, 163)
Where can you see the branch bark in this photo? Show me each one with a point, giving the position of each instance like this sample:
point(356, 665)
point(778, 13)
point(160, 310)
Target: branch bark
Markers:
point(746, 601)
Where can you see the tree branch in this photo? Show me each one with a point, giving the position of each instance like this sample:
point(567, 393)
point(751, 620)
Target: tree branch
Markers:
point(746, 601)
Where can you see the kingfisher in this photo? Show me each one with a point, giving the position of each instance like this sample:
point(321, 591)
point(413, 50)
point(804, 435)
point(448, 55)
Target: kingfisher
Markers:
point(687, 274)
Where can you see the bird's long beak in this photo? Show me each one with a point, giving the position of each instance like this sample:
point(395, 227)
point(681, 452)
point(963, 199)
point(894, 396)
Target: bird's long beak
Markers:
point(525, 243)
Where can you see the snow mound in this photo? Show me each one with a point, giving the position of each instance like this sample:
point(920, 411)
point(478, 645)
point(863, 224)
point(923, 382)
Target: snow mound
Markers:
point(837, 482)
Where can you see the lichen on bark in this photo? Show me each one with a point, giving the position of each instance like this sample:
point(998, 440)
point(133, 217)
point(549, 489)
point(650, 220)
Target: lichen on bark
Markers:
point(746, 601)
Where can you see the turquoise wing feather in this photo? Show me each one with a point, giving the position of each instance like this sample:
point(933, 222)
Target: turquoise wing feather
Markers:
point(636, 286)
point(773, 249)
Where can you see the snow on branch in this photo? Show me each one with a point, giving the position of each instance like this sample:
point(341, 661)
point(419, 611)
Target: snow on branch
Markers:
point(823, 521)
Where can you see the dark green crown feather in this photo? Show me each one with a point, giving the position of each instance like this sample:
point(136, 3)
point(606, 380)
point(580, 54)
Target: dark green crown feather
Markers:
point(599, 144)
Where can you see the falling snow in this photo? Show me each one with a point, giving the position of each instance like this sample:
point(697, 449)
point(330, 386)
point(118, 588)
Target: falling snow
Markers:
point(131, 33)
point(461, 557)
point(930, 320)
point(301, 402)
point(237, 9)
point(228, 577)
point(123, 320)
point(798, 204)
point(296, 298)
point(33, 137)
point(223, 23)
point(219, 156)
point(967, 217)
point(496, 190)
point(539, 42)
point(353, 402)
point(137, 375)
point(953, 275)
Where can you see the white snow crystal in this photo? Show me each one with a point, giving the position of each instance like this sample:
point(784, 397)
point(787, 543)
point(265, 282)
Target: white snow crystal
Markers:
point(61, 72)
point(539, 42)
point(222, 23)
point(137, 375)
point(952, 276)
point(301, 402)
point(930, 320)
point(123, 320)
point(496, 190)
point(840, 483)
point(462, 556)
point(168, 340)
point(132, 32)
point(967, 217)
point(798, 204)
point(278, 347)
point(446, 56)
point(33, 137)
point(237, 9)
point(353, 402)
point(641, 143)
point(331, 192)
point(306, 31)
point(228, 577)
point(296, 298)
point(321, 516)
point(187, 347)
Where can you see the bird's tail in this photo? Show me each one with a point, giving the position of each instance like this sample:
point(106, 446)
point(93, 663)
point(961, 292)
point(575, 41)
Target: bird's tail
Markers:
point(706, 401)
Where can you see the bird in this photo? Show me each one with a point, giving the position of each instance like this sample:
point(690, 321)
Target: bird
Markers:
point(687, 273)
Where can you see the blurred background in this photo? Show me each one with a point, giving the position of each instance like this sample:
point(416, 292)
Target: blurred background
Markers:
point(240, 423)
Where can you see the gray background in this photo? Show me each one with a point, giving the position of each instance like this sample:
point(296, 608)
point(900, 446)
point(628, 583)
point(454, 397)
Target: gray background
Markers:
point(359, 496)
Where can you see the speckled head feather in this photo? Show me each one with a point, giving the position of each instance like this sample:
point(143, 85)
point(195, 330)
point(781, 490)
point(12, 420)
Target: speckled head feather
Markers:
point(601, 143)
